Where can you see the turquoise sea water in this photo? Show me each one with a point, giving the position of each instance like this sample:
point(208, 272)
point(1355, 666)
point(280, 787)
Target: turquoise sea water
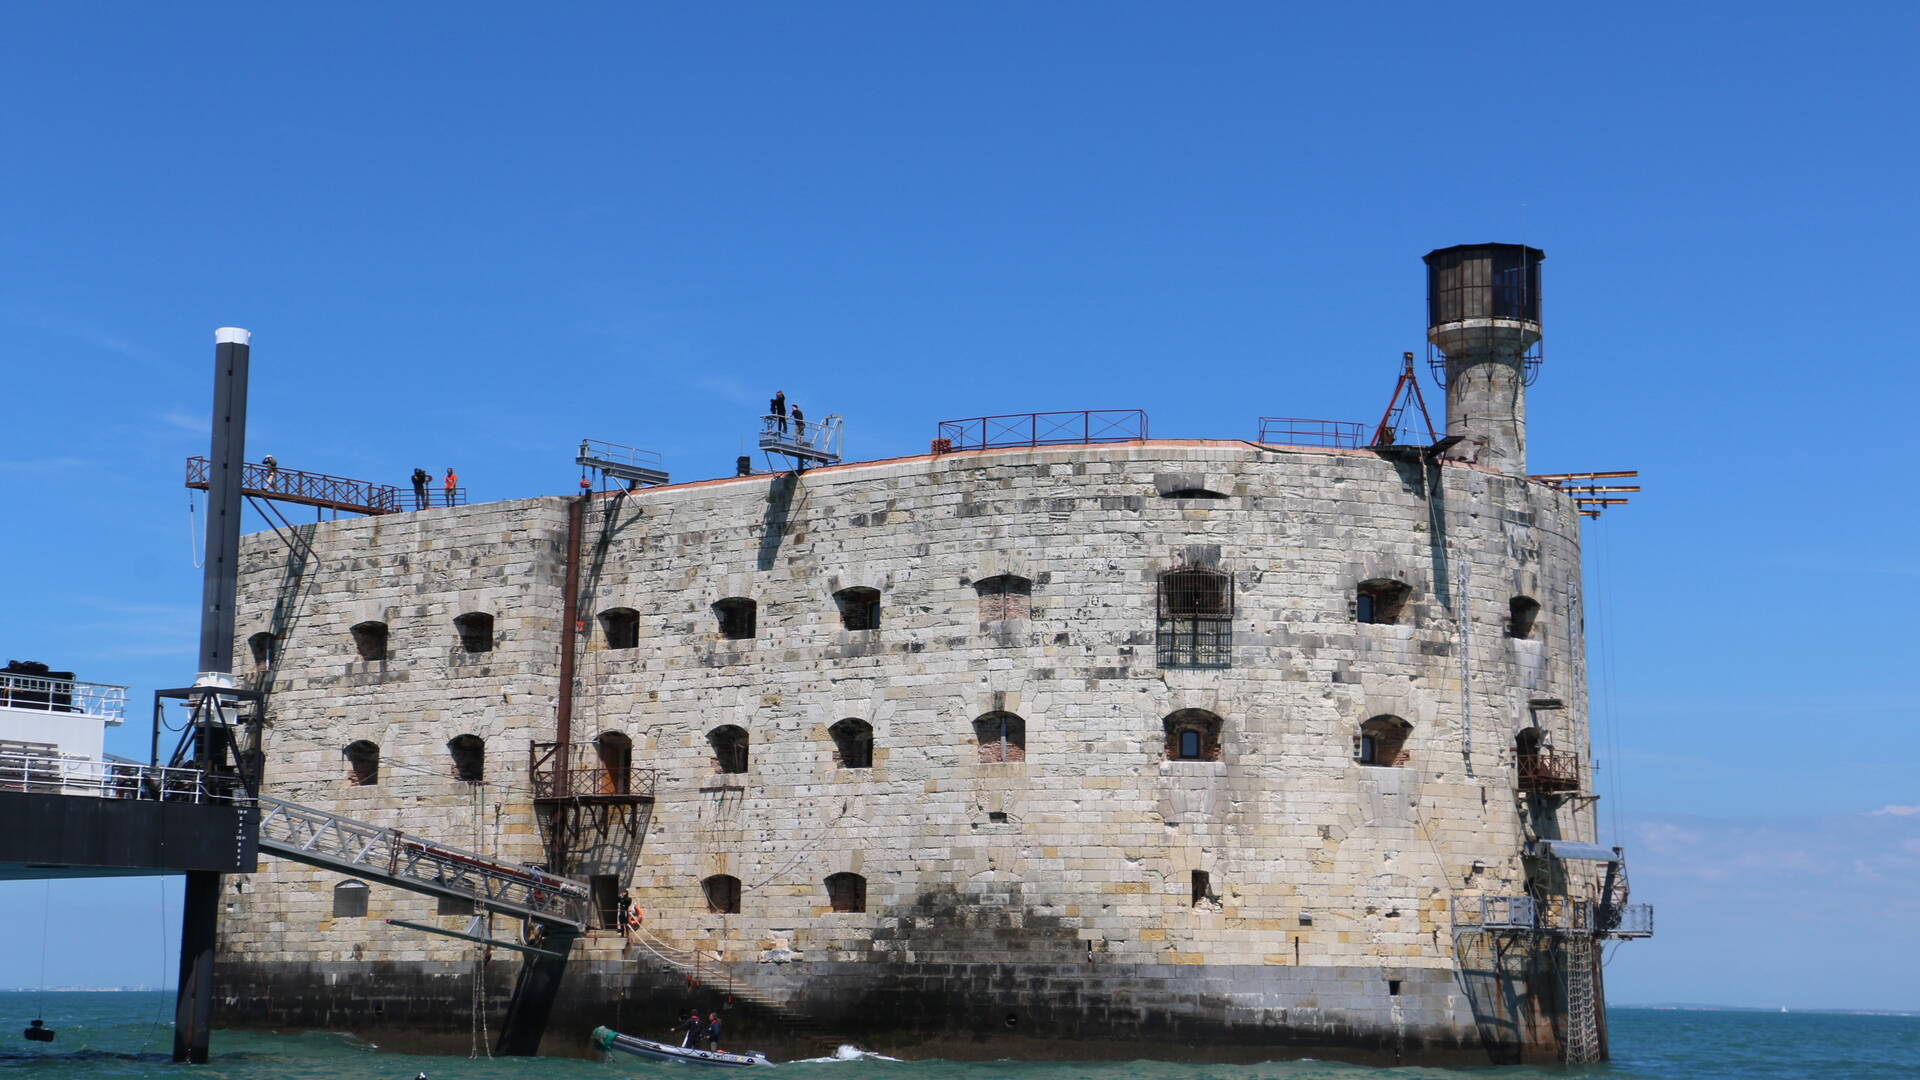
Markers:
point(112, 1036)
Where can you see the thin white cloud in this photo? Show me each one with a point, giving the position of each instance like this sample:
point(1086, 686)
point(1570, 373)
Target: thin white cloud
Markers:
point(1895, 810)
point(192, 425)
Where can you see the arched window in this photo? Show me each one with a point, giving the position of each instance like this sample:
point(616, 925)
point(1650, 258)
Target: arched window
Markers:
point(729, 748)
point(476, 631)
point(469, 753)
point(350, 900)
point(1196, 619)
point(723, 894)
point(262, 645)
point(1382, 741)
point(847, 892)
point(370, 640)
point(1381, 600)
point(622, 627)
point(363, 762)
point(1006, 596)
point(738, 617)
point(859, 608)
point(1002, 737)
point(853, 742)
point(1521, 612)
point(614, 752)
point(1192, 735)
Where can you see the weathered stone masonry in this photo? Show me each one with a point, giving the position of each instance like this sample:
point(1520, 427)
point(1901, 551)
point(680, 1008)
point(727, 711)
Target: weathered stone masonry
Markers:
point(1045, 904)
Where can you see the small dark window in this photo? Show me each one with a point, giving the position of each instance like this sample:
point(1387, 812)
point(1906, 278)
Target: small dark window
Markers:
point(859, 608)
point(1196, 619)
point(363, 762)
point(1193, 493)
point(614, 754)
point(1202, 887)
point(453, 905)
point(1382, 741)
point(1192, 735)
point(605, 891)
point(350, 900)
point(738, 618)
point(1381, 600)
point(723, 894)
point(1002, 737)
point(853, 742)
point(729, 748)
point(1521, 613)
point(469, 753)
point(1393, 987)
point(370, 640)
point(1007, 596)
point(622, 627)
point(847, 892)
point(262, 645)
point(476, 631)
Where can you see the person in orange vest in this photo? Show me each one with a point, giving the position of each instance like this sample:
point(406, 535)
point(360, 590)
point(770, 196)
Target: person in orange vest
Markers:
point(453, 481)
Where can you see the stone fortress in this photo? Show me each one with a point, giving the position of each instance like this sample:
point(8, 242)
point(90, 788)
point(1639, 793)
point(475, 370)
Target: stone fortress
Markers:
point(1217, 750)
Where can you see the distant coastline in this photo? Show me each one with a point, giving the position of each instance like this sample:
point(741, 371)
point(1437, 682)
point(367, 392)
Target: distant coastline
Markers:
point(1687, 1006)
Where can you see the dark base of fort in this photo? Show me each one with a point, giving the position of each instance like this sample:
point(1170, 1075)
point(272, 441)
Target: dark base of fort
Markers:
point(956, 1012)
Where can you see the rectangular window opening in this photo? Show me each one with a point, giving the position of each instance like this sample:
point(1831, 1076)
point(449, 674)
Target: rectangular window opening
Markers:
point(1202, 887)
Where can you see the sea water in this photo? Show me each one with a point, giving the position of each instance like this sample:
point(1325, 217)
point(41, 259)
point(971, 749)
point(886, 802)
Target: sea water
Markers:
point(105, 1036)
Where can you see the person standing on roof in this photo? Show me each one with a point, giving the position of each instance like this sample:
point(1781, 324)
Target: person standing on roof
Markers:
point(778, 407)
point(452, 483)
point(420, 478)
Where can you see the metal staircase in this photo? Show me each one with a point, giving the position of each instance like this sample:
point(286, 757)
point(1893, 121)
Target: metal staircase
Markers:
point(1583, 1020)
point(390, 857)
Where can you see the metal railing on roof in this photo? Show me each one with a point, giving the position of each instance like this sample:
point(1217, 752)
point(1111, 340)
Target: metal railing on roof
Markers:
point(98, 700)
point(66, 774)
point(1300, 431)
point(622, 462)
point(306, 488)
point(1044, 429)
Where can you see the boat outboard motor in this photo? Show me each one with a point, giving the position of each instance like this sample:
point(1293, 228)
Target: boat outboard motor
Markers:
point(38, 1031)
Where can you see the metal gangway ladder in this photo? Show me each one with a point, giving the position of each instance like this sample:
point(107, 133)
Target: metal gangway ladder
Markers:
point(1583, 1019)
point(385, 856)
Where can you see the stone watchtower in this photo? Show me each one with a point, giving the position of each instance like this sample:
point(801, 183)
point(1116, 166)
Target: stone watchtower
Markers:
point(1483, 315)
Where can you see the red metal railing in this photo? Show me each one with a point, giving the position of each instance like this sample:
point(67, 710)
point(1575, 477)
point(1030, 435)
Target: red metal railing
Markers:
point(1549, 771)
point(1299, 431)
point(1045, 429)
point(309, 488)
point(588, 773)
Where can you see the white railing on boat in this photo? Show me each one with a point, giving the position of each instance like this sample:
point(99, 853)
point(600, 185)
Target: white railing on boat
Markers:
point(42, 694)
point(66, 774)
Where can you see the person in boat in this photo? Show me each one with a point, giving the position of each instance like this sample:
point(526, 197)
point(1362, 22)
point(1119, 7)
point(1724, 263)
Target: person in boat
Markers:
point(713, 1032)
point(38, 1031)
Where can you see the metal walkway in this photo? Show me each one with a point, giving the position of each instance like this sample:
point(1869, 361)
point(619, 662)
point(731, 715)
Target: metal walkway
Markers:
point(389, 857)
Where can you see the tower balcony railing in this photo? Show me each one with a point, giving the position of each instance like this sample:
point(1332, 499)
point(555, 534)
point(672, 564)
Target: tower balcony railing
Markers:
point(587, 774)
point(1556, 914)
point(1549, 772)
point(1300, 431)
point(43, 694)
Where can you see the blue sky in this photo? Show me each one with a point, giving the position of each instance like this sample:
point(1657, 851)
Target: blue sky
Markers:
point(471, 234)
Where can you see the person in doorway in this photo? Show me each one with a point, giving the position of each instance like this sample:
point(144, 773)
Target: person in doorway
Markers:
point(624, 911)
point(452, 484)
point(420, 479)
point(713, 1032)
point(778, 407)
point(799, 424)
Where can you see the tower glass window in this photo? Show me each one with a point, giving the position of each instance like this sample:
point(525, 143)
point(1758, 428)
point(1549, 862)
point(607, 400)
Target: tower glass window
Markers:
point(1192, 735)
point(1195, 619)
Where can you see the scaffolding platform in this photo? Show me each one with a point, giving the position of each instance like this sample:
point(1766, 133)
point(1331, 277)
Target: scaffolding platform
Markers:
point(305, 488)
point(805, 442)
point(630, 465)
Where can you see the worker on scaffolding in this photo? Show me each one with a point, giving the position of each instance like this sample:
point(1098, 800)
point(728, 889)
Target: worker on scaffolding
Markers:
point(799, 424)
point(778, 408)
point(273, 472)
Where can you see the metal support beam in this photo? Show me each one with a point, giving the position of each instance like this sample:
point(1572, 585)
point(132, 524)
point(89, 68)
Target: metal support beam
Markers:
point(193, 1004)
point(227, 458)
point(533, 995)
point(477, 939)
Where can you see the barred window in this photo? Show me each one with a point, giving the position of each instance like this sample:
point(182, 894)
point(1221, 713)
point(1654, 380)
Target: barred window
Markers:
point(847, 892)
point(1007, 596)
point(363, 762)
point(469, 753)
point(729, 744)
point(1196, 619)
point(738, 617)
point(370, 640)
point(859, 608)
point(853, 739)
point(622, 627)
point(723, 894)
point(1002, 737)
